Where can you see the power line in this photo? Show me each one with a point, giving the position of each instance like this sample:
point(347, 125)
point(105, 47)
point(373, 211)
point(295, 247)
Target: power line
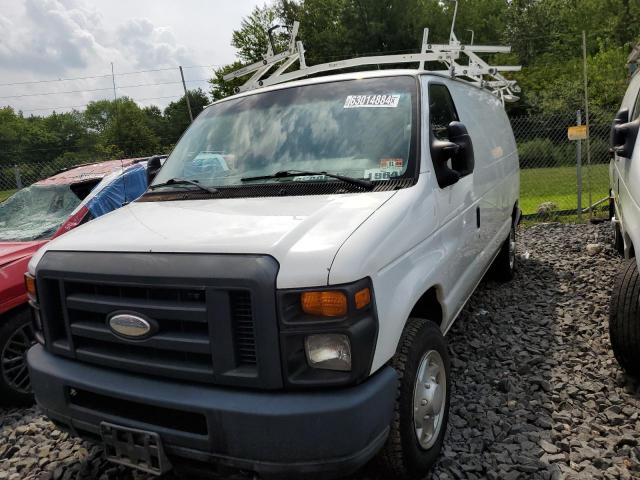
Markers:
point(85, 104)
point(101, 89)
point(91, 77)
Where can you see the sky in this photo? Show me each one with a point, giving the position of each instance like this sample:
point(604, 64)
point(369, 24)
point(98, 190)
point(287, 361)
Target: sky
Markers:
point(45, 42)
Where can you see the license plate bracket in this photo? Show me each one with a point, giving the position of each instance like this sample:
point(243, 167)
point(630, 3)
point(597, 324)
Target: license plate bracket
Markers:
point(134, 448)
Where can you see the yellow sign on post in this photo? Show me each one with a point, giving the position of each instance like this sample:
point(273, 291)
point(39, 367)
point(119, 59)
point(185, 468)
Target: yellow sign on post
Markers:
point(579, 132)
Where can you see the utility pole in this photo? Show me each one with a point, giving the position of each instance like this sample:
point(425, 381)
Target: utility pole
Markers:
point(579, 167)
point(186, 94)
point(113, 79)
point(115, 105)
point(586, 113)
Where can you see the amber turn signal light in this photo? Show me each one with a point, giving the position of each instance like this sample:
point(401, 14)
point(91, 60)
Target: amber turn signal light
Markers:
point(30, 284)
point(324, 304)
point(362, 298)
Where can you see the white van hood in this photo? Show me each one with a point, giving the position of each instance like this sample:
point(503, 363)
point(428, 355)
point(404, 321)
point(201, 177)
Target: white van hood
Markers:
point(302, 233)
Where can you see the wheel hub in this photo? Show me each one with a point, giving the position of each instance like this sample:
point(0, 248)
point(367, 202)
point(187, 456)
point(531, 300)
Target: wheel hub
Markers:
point(13, 362)
point(429, 399)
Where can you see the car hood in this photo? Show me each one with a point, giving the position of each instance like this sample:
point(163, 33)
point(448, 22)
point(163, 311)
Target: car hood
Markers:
point(302, 233)
point(13, 251)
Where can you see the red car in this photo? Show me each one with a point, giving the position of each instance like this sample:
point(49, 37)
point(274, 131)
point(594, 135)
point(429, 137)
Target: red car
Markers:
point(34, 216)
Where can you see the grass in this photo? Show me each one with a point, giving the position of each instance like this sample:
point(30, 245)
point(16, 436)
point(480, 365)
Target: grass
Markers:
point(559, 185)
point(4, 194)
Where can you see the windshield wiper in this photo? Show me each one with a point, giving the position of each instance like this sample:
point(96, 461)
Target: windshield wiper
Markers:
point(368, 184)
point(183, 181)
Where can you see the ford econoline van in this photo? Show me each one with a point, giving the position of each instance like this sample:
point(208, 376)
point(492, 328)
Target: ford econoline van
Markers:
point(278, 300)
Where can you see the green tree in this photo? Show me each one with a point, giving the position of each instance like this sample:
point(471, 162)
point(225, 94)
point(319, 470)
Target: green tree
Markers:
point(121, 127)
point(176, 115)
point(156, 122)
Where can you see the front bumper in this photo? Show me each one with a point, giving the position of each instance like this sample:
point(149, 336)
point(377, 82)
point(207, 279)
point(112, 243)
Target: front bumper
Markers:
point(270, 433)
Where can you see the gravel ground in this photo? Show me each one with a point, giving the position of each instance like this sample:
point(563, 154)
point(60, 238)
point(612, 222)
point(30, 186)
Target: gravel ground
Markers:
point(537, 393)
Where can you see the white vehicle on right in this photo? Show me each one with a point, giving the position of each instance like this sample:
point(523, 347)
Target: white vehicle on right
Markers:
point(624, 208)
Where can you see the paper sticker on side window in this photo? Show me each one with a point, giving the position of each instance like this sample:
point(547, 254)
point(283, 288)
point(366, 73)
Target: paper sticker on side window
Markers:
point(372, 101)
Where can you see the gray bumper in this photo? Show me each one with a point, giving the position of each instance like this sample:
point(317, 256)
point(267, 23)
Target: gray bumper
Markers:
point(279, 433)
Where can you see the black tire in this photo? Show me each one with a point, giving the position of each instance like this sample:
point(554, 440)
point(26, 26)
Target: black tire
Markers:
point(16, 337)
point(624, 318)
point(403, 457)
point(504, 266)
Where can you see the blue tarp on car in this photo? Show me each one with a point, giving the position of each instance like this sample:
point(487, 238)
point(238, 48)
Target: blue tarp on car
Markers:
point(124, 189)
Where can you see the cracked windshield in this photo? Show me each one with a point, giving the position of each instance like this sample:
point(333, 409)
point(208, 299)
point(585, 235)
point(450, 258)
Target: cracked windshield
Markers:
point(36, 212)
point(360, 128)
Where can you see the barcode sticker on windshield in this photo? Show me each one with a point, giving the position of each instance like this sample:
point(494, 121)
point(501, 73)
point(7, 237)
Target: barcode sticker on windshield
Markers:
point(372, 101)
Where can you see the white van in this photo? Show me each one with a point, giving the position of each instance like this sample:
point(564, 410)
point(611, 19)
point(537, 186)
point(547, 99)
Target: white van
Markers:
point(624, 186)
point(277, 301)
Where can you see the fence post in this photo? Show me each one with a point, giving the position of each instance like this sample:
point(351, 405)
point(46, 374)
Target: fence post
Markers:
point(18, 177)
point(579, 166)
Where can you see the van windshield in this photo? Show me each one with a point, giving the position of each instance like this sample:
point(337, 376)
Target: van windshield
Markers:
point(362, 128)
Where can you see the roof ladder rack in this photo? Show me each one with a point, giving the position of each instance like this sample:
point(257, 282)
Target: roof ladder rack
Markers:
point(477, 71)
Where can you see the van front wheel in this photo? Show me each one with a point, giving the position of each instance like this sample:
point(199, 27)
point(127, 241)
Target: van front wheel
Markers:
point(422, 404)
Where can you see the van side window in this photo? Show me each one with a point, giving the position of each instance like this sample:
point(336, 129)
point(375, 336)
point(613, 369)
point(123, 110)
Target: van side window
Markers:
point(442, 111)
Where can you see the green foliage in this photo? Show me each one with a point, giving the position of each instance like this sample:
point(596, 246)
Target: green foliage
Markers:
point(107, 129)
point(176, 115)
point(546, 36)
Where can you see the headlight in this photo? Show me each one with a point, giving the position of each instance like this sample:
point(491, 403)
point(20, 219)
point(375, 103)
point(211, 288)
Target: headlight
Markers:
point(327, 334)
point(329, 352)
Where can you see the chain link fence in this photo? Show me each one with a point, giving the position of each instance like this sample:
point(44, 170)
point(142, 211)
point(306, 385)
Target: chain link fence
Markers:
point(16, 176)
point(557, 182)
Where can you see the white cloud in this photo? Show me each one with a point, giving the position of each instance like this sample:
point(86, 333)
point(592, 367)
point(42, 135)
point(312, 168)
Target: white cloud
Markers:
point(57, 39)
point(51, 37)
point(148, 46)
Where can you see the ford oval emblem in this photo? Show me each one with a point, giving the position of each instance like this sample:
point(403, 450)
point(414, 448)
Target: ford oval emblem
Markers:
point(129, 325)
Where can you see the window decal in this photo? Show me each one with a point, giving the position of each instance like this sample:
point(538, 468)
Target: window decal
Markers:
point(372, 101)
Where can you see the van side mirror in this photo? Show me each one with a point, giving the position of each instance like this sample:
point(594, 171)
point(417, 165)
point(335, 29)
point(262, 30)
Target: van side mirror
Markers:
point(458, 149)
point(623, 135)
point(441, 152)
point(153, 167)
point(463, 161)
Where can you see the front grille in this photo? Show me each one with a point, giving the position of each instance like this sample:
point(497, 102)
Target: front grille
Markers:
point(203, 309)
point(180, 349)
